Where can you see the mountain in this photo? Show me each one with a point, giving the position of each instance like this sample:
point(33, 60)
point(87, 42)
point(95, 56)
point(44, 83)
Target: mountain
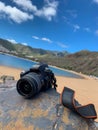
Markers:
point(83, 61)
point(26, 51)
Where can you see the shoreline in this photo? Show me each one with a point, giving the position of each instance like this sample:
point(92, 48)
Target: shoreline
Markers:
point(71, 71)
point(48, 65)
point(74, 72)
point(18, 57)
point(86, 89)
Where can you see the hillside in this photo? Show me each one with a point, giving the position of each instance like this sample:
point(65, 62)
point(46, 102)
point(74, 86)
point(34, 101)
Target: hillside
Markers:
point(84, 61)
point(26, 51)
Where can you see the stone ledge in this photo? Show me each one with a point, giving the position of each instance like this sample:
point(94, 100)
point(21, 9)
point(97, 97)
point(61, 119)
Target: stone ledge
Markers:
point(39, 113)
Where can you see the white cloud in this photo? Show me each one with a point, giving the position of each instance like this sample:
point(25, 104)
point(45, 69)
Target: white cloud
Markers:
point(95, 1)
point(42, 39)
point(12, 41)
point(15, 42)
point(62, 45)
point(28, 10)
point(46, 39)
point(25, 44)
point(48, 11)
point(35, 37)
point(26, 4)
point(76, 27)
point(14, 13)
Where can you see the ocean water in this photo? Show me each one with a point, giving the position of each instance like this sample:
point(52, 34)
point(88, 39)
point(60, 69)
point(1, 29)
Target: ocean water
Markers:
point(16, 62)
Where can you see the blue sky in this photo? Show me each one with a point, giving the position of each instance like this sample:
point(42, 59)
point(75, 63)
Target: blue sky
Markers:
point(63, 25)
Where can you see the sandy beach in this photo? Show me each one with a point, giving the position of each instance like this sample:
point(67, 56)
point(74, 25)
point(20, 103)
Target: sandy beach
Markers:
point(86, 89)
point(10, 72)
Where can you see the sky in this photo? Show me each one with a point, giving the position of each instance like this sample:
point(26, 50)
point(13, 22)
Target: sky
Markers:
point(58, 25)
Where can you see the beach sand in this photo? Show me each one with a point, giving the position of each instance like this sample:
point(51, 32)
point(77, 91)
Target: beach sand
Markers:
point(10, 72)
point(86, 89)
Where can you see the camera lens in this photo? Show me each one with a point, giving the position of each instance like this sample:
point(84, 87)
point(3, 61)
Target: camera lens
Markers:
point(26, 89)
point(29, 85)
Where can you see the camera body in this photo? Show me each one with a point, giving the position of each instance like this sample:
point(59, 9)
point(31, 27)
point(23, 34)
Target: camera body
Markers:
point(36, 79)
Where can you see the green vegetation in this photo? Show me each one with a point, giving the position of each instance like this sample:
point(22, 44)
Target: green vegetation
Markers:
point(84, 61)
point(7, 45)
point(26, 51)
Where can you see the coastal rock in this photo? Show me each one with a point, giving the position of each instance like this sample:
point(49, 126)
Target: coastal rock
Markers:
point(43, 112)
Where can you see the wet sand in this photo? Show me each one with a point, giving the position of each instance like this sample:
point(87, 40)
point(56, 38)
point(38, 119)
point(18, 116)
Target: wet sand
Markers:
point(86, 89)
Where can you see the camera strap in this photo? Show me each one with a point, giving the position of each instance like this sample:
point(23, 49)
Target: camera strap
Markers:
point(53, 80)
point(54, 83)
point(86, 111)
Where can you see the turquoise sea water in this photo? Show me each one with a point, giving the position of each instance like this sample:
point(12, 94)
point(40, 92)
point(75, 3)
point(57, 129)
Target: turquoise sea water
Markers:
point(16, 62)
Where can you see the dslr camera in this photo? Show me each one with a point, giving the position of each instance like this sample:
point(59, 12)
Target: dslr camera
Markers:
point(36, 79)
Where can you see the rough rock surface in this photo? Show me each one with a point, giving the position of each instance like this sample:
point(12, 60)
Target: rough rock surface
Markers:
point(43, 112)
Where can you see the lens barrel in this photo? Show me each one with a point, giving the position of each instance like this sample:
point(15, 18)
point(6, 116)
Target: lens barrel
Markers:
point(29, 85)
